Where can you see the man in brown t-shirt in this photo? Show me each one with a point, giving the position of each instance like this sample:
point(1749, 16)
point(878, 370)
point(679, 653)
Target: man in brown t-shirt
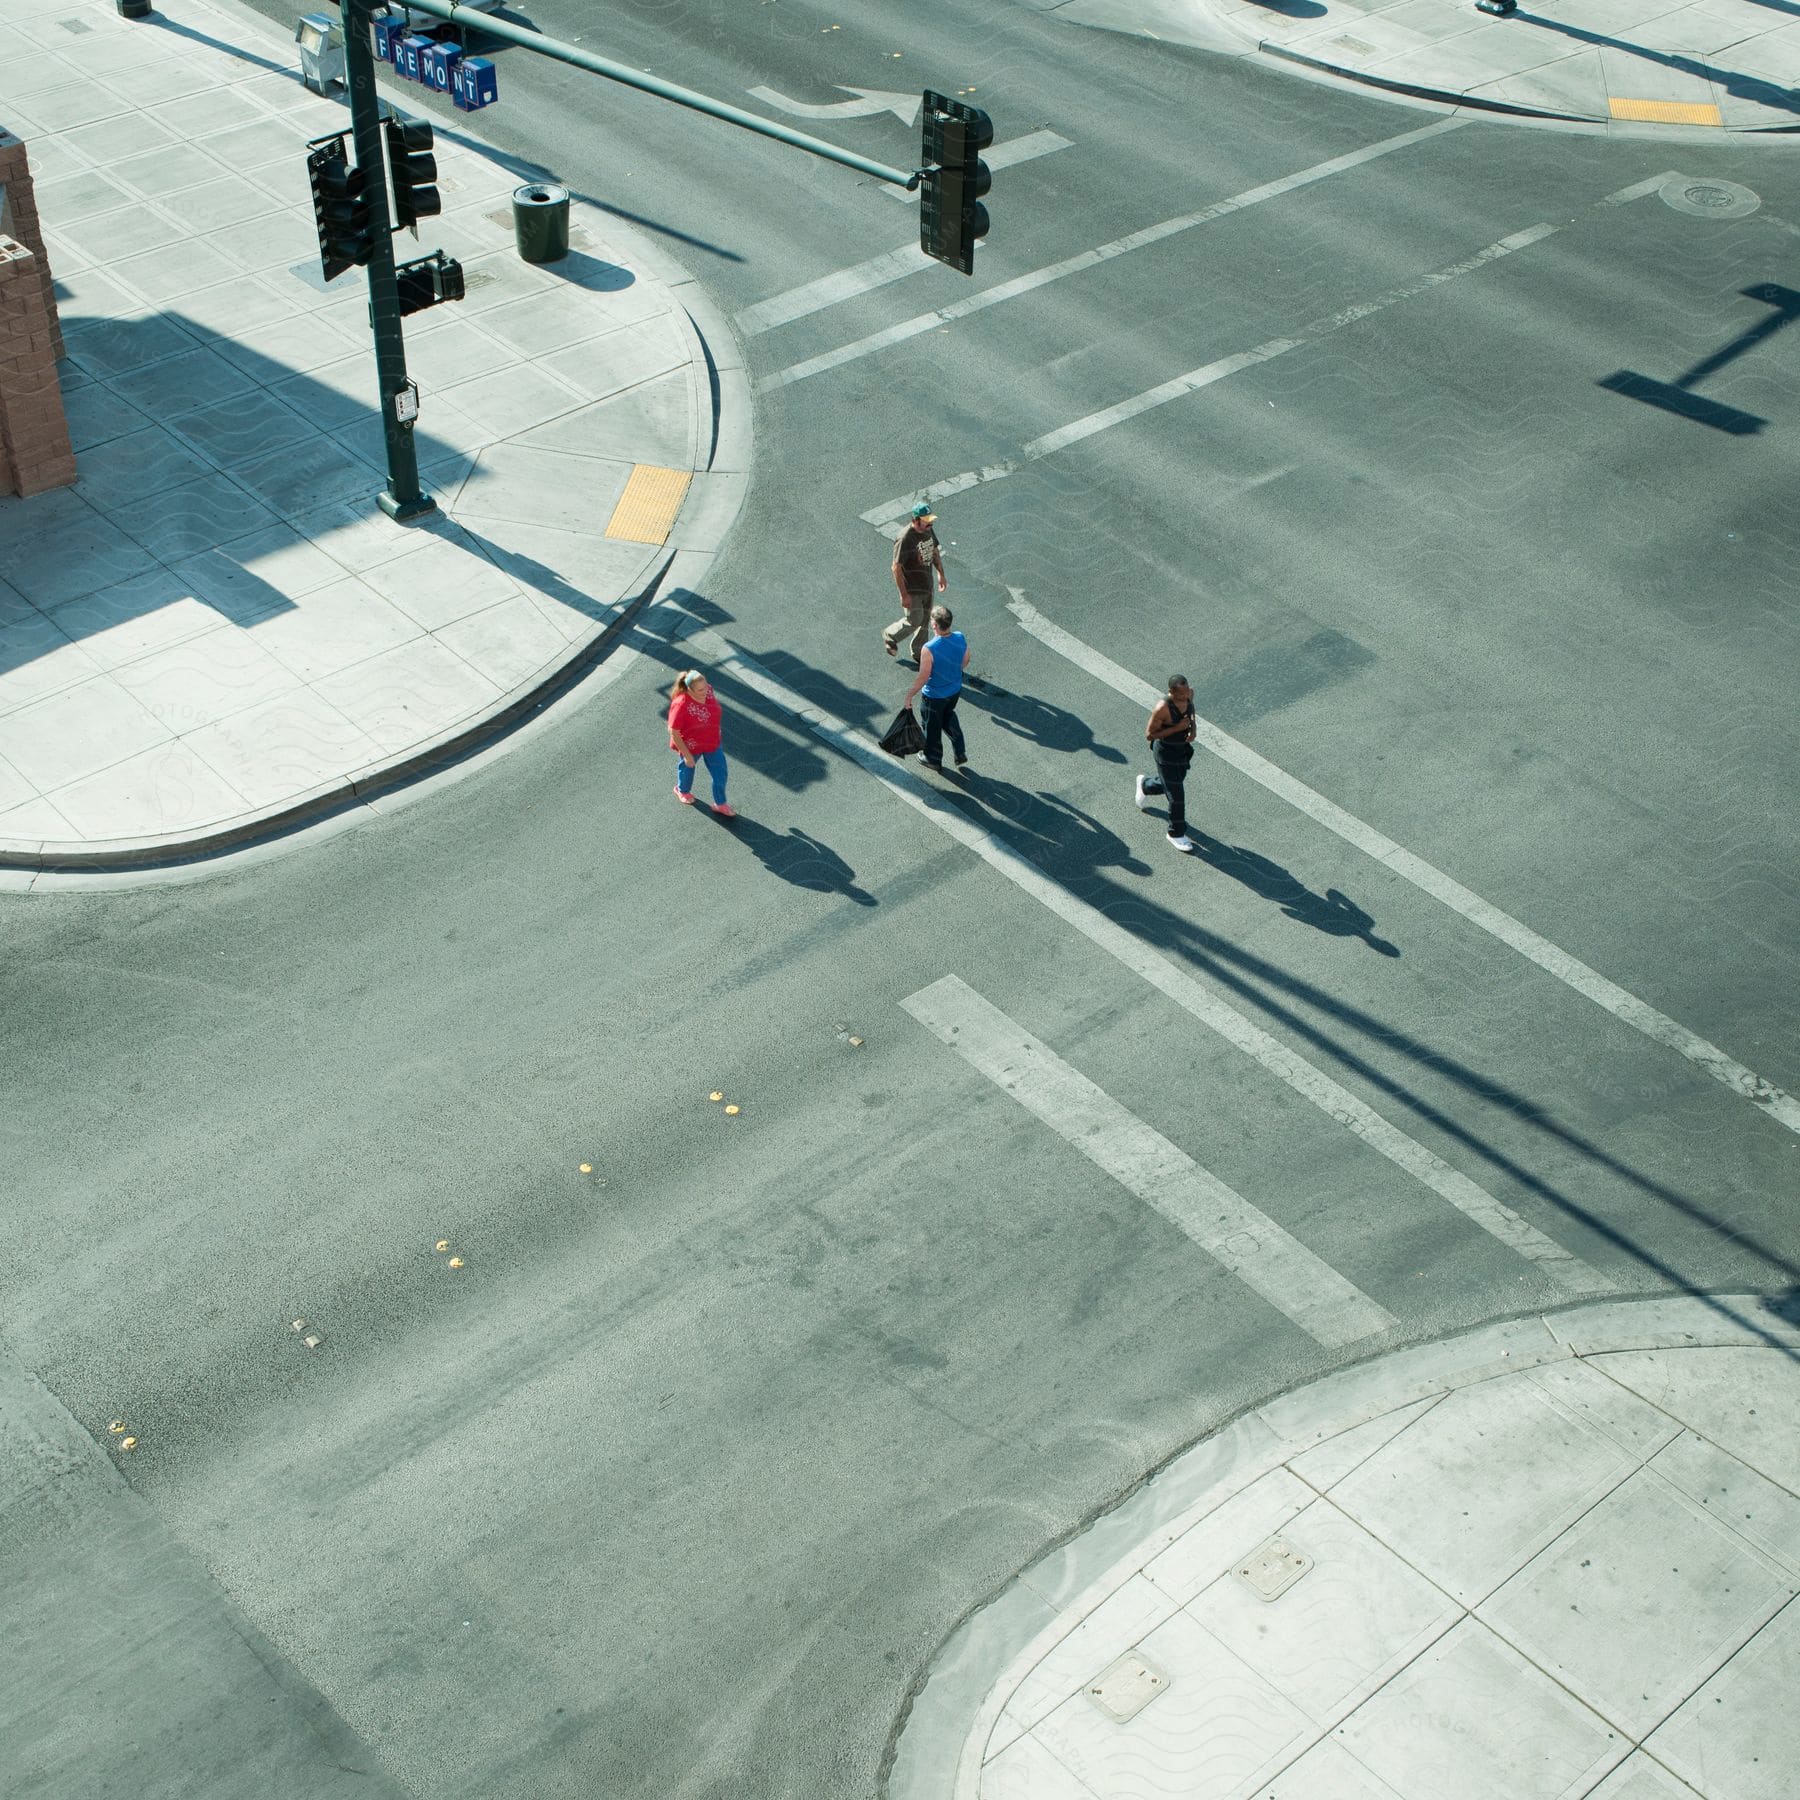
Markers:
point(916, 557)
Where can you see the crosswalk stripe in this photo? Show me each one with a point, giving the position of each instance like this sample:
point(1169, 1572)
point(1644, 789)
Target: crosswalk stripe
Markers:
point(1242, 1240)
point(1782, 1107)
point(828, 290)
point(1313, 1085)
point(886, 516)
point(1088, 259)
point(892, 265)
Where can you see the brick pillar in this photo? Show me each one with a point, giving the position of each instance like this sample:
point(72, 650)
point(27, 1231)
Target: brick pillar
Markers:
point(19, 219)
point(34, 434)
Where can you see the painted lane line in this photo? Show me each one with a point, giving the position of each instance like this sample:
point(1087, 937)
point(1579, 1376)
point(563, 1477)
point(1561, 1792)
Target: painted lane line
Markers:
point(1243, 1241)
point(1088, 259)
point(828, 290)
point(1572, 973)
point(1312, 1084)
point(1639, 189)
point(894, 265)
point(1160, 395)
point(887, 515)
point(1002, 156)
point(887, 518)
point(1052, 441)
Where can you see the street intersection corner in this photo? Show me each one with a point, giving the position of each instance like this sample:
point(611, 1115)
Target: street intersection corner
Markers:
point(1556, 1557)
point(214, 636)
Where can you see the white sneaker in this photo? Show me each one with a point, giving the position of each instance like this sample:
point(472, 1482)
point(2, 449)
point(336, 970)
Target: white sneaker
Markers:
point(1143, 799)
point(1181, 843)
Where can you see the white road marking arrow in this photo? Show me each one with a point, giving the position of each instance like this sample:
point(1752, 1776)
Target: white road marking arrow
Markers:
point(870, 101)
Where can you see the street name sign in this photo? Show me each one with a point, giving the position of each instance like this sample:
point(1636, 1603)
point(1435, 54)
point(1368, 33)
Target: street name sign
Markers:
point(470, 81)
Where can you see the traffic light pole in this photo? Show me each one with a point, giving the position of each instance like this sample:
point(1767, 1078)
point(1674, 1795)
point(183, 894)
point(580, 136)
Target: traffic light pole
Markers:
point(403, 498)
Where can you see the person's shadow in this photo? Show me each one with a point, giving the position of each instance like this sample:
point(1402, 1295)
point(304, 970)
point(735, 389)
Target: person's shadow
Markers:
point(1060, 836)
point(1035, 720)
point(800, 859)
point(1333, 913)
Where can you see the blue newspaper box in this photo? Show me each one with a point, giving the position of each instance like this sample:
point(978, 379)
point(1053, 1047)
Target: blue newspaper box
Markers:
point(473, 84)
point(389, 29)
point(407, 54)
point(437, 66)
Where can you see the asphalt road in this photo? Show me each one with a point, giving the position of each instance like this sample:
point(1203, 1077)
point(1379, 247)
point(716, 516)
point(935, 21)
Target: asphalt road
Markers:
point(675, 1486)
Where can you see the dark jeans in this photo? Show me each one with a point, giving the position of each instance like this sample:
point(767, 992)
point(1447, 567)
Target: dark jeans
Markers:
point(1172, 772)
point(938, 717)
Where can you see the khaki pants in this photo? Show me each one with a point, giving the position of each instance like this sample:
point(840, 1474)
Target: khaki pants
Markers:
point(916, 619)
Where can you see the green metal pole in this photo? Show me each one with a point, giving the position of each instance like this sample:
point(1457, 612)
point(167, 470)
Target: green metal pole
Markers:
point(508, 33)
point(403, 498)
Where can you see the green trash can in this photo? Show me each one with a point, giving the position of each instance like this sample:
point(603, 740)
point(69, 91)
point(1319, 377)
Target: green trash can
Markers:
point(541, 222)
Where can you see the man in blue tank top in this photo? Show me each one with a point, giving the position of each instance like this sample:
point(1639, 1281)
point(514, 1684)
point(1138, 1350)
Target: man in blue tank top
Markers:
point(941, 665)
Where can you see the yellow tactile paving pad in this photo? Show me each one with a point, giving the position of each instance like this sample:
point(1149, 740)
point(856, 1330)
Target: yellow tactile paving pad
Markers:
point(1666, 112)
point(648, 506)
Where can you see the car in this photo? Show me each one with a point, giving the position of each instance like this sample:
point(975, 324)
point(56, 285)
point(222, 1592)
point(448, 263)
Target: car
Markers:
point(429, 22)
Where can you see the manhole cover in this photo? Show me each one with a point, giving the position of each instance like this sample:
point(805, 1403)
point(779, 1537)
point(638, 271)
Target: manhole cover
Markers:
point(1127, 1687)
point(1273, 1569)
point(1709, 199)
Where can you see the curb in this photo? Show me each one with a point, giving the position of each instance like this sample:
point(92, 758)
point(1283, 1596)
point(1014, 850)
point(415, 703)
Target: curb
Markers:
point(1438, 96)
point(934, 1751)
point(357, 790)
point(1203, 25)
point(1505, 109)
point(708, 515)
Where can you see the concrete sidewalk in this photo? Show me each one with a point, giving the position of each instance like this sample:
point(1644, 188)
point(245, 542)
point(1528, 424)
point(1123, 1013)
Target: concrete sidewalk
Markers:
point(1624, 64)
point(215, 634)
point(1553, 1559)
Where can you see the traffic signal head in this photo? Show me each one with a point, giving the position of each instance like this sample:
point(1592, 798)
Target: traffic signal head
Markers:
point(415, 170)
point(428, 281)
point(340, 207)
point(951, 216)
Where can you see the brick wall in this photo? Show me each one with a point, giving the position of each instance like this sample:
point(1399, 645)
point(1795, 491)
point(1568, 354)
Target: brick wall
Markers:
point(34, 434)
point(20, 221)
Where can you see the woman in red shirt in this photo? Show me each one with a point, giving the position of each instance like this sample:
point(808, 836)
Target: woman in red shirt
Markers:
point(694, 737)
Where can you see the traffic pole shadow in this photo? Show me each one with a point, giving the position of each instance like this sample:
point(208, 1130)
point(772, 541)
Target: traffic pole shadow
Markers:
point(1677, 396)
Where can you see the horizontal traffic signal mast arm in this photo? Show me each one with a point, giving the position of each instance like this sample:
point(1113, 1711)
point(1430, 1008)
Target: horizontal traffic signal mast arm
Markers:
point(489, 26)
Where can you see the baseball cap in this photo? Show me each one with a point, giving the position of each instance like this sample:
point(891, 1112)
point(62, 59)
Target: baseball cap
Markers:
point(923, 513)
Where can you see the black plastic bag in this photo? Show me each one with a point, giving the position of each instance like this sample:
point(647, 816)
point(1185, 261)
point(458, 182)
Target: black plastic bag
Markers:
point(904, 737)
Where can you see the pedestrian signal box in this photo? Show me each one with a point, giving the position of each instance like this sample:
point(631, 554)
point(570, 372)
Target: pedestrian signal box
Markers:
point(428, 281)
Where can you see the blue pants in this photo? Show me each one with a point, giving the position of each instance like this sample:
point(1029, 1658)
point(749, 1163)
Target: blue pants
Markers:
point(715, 767)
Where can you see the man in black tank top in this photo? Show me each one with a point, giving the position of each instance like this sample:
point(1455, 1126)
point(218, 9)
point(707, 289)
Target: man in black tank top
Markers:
point(1171, 736)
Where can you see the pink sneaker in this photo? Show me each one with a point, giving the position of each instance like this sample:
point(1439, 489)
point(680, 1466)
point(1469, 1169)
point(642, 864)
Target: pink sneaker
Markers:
point(685, 799)
point(722, 811)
